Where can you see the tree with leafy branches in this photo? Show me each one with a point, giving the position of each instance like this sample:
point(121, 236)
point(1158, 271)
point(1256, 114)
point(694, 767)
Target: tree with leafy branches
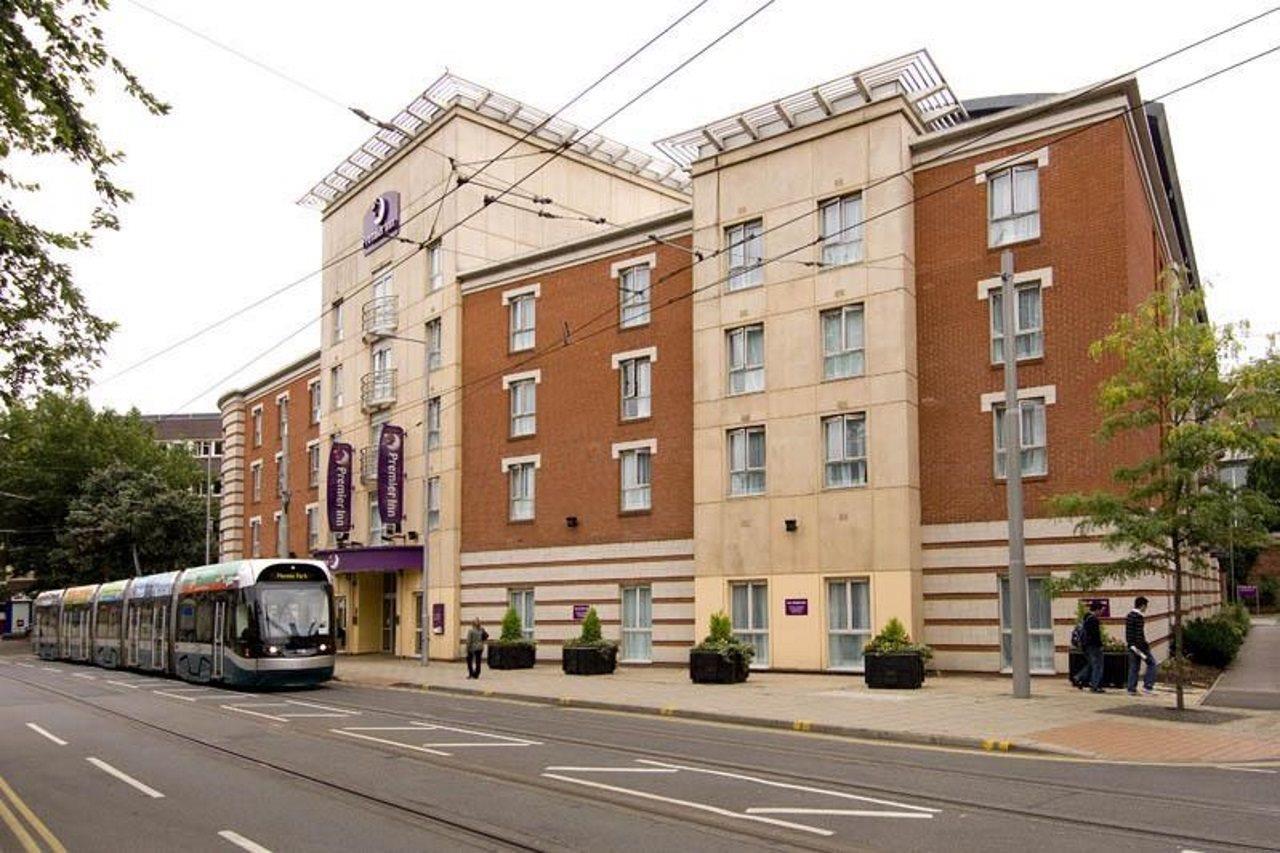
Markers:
point(1180, 383)
point(53, 55)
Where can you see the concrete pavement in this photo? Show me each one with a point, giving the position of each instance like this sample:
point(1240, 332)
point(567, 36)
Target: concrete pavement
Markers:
point(1253, 680)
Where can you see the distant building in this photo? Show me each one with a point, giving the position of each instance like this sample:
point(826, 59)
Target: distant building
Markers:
point(198, 433)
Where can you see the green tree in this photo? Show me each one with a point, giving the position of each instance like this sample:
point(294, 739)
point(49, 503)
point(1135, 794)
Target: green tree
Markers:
point(1174, 387)
point(48, 451)
point(52, 56)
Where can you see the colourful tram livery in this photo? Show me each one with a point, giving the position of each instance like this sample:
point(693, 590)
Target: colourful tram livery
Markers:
point(248, 623)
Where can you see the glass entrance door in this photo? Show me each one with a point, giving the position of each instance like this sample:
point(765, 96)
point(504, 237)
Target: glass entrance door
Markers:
point(389, 612)
point(340, 618)
point(750, 606)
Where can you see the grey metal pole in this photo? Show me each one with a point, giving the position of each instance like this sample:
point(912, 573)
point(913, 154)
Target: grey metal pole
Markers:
point(208, 502)
point(426, 506)
point(1021, 660)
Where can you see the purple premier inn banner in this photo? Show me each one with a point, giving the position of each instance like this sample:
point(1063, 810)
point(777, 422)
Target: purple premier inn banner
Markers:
point(381, 221)
point(391, 474)
point(340, 456)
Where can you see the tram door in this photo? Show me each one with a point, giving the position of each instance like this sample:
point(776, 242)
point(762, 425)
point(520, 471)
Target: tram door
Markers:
point(389, 612)
point(62, 633)
point(135, 623)
point(159, 632)
point(219, 633)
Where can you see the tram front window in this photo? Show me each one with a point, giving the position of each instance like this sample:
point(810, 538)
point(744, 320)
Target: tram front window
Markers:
point(293, 613)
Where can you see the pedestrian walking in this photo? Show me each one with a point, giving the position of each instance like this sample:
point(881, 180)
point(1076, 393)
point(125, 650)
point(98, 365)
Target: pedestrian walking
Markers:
point(476, 638)
point(1091, 644)
point(1135, 637)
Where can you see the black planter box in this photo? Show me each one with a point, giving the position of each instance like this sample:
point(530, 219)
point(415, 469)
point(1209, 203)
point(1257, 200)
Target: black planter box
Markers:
point(589, 660)
point(512, 655)
point(715, 668)
point(895, 671)
point(1115, 667)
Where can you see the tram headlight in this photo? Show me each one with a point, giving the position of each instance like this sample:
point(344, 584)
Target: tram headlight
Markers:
point(273, 650)
point(323, 647)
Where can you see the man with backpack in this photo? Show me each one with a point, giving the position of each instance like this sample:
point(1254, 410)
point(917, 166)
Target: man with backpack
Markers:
point(1088, 636)
point(1135, 637)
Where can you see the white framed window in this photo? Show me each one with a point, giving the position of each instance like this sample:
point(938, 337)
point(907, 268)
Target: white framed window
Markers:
point(1039, 625)
point(841, 220)
point(637, 624)
point(1035, 454)
point(1013, 204)
point(744, 244)
point(522, 601)
point(435, 266)
point(523, 311)
point(434, 357)
point(382, 360)
point(746, 460)
point(749, 612)
point(634, 296)
point(313, 464)
point(313, 528)
point(1029, 317)
point(256, 415)
point(844, 439)
point(636, 376)
point(843, 342)
point(255, 537)
point(744, 347)
point(433, 503)
point(335, 387)
point(383, 281)
point(636, 468)
point(848, 622)
point(433, 423)
point(520, 478)
point(524, 407)
point(313, 400)
point(335, 335)
point(255, 479)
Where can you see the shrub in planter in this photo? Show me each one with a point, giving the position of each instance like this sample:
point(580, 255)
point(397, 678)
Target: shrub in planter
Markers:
point(721, 658)
point(1237, 614)
point(1213, 641)
point(512, 650)
point(590, 653)
point(893, 660)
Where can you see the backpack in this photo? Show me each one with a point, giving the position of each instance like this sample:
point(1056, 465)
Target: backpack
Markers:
point(1077, 635)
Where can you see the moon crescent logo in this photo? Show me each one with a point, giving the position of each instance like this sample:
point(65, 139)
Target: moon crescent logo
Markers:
point(393, 441)
point(380, 209)
point(342, 457)
point(333, 561)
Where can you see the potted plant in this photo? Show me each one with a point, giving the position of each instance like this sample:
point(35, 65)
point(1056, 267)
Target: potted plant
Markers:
point(590, 653)
point(1115, 657)
point(512, 650)
point(721, 658)
point(893, 660)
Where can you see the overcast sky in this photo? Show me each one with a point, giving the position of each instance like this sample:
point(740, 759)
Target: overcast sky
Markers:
point(214, 224)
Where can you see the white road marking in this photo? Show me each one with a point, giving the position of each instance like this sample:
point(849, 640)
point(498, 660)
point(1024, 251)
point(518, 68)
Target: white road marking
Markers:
point(124, 684)
point(1247, 769)
point(124, 777)
point(84, 675)
point(240, 841)
point(845, 812)
point(645, 795)
point(27, 665)
point(43, 733)
point(51, 668)
point(255, 713)
point(342, 711)
point(175, 695)
point(490, 740)
point(390, 742)
point(563, 769)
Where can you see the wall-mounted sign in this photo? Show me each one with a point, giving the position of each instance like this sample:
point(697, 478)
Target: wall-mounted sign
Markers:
point(580, 611)
point(796, 606)
point(437, 618)
point(391, 474)
point(381, 220)
point(340, 456)
point(1247, 591)
point(1105, 612)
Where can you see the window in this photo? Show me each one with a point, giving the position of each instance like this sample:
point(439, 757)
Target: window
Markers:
point(335, 386)
point(217, 448)
point(256, 415)
point(841, 220)
point(524, 407)
point(637, 382)
point(1029, 334)
point(381, 362)
point(433, 503)
point(382, 281)
point(336, 336)
point(435, 266)
point(636, 478)
point(1013, 204)
point(845, 451)
point(186, 628)
point(749, 603)
point(848, 623)
point(375, 520)
point(634, 295)
point(433, 344)
point(417, 623)
point(521, 600)
point(1039, 625)
point(1035, 457)
point(523, 319)
point(313, 528)
point(433, 423)
point(746, 461)
point(521, 476)
point(745, 246)
point(255, 537)
point(637, 623)
point(745, 347)
point(255, 477)
point(313, 465)
point(313, 399)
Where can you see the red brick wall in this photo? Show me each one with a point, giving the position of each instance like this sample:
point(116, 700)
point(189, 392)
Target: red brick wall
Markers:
point(578, 410)
point(1096, 234)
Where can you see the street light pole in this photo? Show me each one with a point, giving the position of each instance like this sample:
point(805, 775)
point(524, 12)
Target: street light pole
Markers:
point(208, 502)
point(1021, 661)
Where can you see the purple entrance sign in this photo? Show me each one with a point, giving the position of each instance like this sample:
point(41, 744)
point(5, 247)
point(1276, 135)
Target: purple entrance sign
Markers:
point(1249, 591)
point(391, 474)
point(437, 618)
point(1105, 613)
point(381, 221)
point(797, 606)
point(340, 455)
point(580, 611)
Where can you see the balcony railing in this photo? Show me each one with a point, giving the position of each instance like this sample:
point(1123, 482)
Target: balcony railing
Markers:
point(369, 464)
point(379, 317)
point(378, 389)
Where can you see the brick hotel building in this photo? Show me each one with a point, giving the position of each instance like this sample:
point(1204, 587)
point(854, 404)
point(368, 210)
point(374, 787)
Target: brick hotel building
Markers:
point(766, 383)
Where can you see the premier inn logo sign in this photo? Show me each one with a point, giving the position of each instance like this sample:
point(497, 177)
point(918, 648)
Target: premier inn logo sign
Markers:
point(381, 221)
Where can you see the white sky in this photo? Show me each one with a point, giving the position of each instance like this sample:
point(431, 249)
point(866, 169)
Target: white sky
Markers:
point(214, 224)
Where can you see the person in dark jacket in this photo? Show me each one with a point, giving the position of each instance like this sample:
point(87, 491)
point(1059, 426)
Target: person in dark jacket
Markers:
point(475, 641)
point(1135, 637)
point(1091, 672)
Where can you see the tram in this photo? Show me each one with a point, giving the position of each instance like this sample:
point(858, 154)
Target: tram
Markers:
point(265, 623)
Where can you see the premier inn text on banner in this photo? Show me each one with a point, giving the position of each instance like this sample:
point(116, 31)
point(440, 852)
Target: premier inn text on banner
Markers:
point(391, 474)
point(340, 456)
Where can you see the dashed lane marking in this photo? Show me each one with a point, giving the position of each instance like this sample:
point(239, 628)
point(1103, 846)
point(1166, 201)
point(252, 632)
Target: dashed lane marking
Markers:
point(84, 675)
point(240, 710)
point(124, 777)
point(240, 841)
point(123, 684)
point(836, 812)
point(477, 740)
point(44, 733)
